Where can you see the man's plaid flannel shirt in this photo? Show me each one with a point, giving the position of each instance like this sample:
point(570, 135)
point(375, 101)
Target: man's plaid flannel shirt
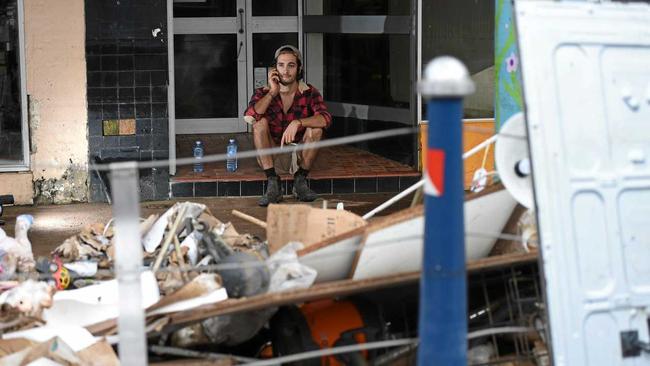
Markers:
point(306, 103)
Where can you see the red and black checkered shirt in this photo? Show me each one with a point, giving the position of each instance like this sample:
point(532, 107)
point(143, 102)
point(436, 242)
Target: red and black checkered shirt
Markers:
point(306, 103)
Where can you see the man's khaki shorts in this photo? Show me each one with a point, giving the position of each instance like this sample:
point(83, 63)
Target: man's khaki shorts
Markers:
point(286, 163)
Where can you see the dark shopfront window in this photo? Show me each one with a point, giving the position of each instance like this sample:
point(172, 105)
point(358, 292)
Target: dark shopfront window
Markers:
point(11, 125)
point(366, 7)
point(205, 70)
point(362, 53)
point(464, 29)
point(368, 69)
point(265, 44)
point(373, 70)
point(228, 8)
point(208, 8)
point(266, 8)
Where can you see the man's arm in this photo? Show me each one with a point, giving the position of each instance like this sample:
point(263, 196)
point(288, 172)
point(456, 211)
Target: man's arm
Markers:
point(258, 104)
point(315, 121)
point(321, 118)
point(263, 97)
point(263, 103)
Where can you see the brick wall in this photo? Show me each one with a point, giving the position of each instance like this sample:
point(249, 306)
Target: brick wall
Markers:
point(126, 60)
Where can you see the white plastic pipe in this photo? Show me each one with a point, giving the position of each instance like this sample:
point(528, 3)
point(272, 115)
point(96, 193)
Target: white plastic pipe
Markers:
point(419, 184)
point(334, 351)
point(396, 198)
point(480, 146)
point(128, 263)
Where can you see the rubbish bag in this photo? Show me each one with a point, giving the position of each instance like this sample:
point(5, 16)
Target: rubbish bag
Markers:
point(287, 273)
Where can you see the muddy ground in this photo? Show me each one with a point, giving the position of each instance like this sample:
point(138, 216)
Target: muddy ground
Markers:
point(54, 223)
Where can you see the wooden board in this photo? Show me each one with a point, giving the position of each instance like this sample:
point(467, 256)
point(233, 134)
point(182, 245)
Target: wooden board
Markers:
point(316, 292)
point(336, 289)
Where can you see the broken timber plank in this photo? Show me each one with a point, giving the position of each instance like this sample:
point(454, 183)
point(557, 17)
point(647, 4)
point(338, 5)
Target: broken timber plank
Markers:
point(331, 289)
point(249, 218)
point(316, 292)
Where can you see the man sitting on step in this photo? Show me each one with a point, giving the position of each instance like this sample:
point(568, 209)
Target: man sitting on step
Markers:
point(285, 112)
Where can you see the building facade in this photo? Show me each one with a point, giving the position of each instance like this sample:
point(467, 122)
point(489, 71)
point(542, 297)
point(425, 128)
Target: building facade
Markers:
point(104, 81)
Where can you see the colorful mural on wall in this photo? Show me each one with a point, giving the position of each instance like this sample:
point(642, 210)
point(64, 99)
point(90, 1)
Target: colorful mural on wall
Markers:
point(508, 97)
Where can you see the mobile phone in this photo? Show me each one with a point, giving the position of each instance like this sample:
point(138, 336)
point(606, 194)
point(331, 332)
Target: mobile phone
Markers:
point(275, 74)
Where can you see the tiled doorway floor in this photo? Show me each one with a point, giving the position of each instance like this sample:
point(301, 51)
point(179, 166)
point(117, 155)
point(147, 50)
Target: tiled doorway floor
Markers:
point(338, 169)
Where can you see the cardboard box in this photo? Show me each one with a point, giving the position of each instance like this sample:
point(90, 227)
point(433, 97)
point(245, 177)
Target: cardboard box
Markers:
point(305, 224)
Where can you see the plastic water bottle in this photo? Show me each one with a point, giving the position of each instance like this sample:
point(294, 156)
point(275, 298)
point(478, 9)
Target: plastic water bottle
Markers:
point(198, 154)
point(231, 152)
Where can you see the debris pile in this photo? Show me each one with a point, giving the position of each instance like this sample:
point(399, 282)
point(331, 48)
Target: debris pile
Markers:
point(191, 259)
point(206, 287)
point(16, 252)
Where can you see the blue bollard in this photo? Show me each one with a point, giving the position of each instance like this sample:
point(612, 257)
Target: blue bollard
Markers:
point(443, 287)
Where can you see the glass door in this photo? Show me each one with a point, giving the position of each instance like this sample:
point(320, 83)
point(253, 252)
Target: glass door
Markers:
point(271, 25)
point(222, 49)
point(209, 65)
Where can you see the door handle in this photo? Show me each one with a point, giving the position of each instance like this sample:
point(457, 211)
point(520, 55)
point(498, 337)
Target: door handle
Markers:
point(240, 20)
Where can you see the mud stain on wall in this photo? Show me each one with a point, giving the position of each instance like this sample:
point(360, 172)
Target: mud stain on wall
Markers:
point(69, 188)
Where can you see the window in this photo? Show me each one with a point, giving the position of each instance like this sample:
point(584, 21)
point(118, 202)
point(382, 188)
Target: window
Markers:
point(204, 9)
point(265, 8)
point(365, 7)
point(13, 124)
point(465, 30)
point(360, 53)
point(378, 62)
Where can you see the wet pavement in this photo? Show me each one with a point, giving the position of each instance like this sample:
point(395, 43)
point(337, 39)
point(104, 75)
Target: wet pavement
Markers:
point(55, 223)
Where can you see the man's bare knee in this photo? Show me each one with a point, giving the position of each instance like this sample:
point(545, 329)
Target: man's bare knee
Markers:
point(313, 134)
point(261, 127)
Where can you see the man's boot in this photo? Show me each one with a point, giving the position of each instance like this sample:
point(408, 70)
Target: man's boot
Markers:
point(273, 192)
point(301, 190)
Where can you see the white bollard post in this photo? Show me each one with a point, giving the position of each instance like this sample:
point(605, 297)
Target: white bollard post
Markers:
point(128, 263)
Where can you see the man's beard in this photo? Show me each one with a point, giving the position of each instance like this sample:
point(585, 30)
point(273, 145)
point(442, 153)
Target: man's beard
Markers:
point(287, 83)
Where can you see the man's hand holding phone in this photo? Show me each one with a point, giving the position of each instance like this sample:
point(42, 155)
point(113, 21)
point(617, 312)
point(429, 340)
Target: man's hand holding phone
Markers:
point(274, 81)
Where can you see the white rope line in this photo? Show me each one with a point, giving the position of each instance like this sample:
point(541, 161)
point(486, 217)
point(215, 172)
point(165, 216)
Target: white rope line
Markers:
point(330, 253)
point(273, 150)
point(375, 345)
point(485, 156)
point(498, 330)
point(334, 142)
point(244, 265)
point(394, 199)
point(498, 236)
point(162, 350)
point(334, 351)
point(486, 143)
point(250, 153)
point(480, 146)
